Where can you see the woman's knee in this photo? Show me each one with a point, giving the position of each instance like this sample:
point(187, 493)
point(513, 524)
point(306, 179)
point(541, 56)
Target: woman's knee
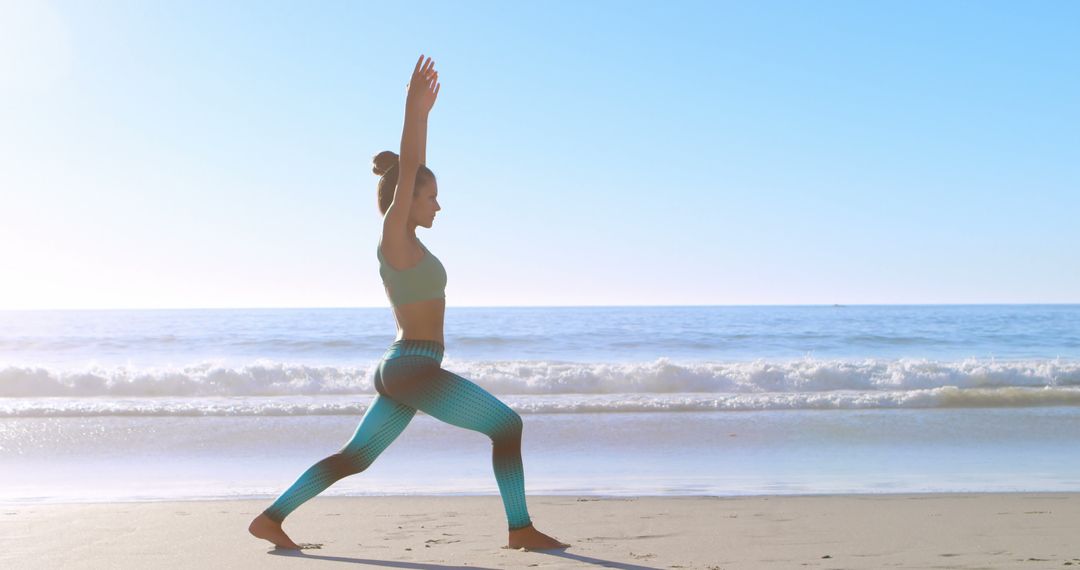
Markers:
point(516, 422)
point(509, 428)
point(345, 463)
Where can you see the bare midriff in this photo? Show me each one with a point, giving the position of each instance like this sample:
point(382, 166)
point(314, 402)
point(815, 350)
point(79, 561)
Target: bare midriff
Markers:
point(421, 320)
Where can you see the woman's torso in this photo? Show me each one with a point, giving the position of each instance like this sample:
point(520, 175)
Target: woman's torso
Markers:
point(421, 319)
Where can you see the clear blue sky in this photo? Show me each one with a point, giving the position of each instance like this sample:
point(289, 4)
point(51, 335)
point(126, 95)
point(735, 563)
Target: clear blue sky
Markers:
point(206, 154)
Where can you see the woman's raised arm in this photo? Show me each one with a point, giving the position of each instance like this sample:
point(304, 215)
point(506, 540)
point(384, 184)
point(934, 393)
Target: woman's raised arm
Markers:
point(422, 91)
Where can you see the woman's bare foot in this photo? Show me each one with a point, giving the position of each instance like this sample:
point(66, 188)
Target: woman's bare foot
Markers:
point(265, 527)
point(532, 539)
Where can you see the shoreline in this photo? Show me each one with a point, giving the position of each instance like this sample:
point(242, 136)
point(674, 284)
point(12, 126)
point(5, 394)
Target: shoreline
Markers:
point(589, 496)
point(872, 530)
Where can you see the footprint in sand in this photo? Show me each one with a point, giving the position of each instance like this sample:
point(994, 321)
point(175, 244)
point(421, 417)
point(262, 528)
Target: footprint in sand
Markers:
point(440, 541)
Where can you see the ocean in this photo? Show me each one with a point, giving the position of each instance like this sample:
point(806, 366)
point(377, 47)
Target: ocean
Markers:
point(119, 405)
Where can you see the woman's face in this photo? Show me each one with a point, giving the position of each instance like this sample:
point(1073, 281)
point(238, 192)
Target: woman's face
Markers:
point(425, 204)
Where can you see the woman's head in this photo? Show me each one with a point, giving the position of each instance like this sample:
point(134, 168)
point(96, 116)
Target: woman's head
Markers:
point(425, 191)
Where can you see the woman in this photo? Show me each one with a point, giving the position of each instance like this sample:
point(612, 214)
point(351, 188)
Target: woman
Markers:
point(410, 376)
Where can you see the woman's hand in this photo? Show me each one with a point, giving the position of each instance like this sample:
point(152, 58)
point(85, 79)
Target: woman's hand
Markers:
point(423, 88)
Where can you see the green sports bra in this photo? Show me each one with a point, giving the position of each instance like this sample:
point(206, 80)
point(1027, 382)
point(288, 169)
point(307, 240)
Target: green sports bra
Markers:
point(421, 282)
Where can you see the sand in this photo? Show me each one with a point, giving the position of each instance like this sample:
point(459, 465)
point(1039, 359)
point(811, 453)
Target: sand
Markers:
point(979, 530)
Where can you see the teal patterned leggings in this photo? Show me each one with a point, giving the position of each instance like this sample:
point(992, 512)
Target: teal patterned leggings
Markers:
point(410, 377)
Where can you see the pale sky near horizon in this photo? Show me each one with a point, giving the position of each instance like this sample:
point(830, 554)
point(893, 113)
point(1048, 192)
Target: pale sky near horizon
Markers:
point(203, 154)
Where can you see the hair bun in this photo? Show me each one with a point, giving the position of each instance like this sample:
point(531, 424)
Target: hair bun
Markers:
point(383, 162)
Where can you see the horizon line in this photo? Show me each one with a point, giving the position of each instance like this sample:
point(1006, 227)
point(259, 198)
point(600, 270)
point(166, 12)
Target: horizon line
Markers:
point(233, 308)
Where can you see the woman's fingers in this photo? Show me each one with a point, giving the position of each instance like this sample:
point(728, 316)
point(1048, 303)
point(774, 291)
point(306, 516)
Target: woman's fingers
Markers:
point(425, 70)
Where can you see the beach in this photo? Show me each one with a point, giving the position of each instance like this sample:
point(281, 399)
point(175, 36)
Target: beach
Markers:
point(667, 437)
point(940, 530)
point(714, 285)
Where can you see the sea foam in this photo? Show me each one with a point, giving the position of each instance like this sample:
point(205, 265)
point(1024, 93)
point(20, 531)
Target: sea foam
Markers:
point(281, 388)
